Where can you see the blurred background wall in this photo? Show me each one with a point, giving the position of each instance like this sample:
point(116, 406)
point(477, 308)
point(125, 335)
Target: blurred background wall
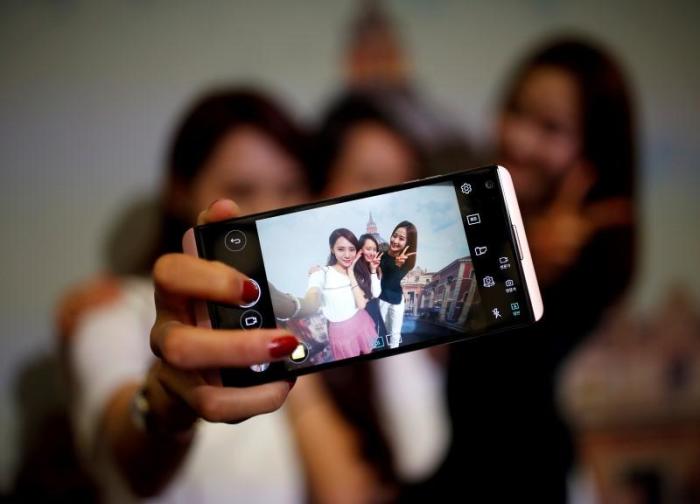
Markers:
point(89, 92)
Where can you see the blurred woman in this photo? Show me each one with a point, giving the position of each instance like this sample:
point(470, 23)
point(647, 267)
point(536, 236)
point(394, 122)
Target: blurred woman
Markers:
point(135, 412)
point(566, 134)
point(361, 146)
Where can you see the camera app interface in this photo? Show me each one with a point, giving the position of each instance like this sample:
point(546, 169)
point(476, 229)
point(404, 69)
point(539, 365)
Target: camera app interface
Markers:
point(389, 271)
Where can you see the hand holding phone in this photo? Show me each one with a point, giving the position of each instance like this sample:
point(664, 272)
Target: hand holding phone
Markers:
point(451, 262)
point(188, 350)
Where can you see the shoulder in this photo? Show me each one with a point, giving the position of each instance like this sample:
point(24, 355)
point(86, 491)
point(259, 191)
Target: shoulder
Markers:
point(318, 277)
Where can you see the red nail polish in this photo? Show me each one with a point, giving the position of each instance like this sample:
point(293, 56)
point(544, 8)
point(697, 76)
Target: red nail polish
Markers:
point(282, 346)
point(250, 291)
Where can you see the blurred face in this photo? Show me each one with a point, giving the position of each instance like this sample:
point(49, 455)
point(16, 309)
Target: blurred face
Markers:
point(397, 242)
point(344, 252)
point(251, 169)
point(540, 134)
point(372, 156)
point(369, 250)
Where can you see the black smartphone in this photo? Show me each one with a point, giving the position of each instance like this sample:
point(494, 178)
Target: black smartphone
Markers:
point(381, 272)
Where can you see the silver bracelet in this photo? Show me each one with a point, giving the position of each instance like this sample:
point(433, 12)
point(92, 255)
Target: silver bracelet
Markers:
point(143, 419)
point(140, 410)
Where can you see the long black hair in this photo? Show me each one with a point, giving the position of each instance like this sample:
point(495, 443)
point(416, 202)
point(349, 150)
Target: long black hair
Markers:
point(362, 272)
point(346, 113)
point(201, 129)
point(609, 140)
point(411, 242)
point(609, 145)
point(363, 279)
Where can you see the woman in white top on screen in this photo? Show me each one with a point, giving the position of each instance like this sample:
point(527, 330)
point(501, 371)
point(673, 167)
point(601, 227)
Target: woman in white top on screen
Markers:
point(351, 331)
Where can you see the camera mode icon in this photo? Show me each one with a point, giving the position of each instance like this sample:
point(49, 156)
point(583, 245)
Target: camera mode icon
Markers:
point(251, 320)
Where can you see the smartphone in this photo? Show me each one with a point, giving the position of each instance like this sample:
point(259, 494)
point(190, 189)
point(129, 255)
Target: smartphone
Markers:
point(379, 273)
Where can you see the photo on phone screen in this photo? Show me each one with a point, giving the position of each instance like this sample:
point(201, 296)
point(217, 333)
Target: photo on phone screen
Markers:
point(313, 249)
point(380, 273)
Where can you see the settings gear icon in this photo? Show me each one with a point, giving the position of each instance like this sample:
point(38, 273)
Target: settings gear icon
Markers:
point(466, 188)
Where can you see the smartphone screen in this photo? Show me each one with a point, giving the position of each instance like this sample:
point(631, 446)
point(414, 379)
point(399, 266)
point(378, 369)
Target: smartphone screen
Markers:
point(379, 273)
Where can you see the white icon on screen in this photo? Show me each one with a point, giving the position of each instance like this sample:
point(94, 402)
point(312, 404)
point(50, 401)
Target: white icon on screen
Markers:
point(250, 321)
point(510, 283)
point(488, 281)
point(473, 219)
point(466, 188)
point(496, 313)
point(503, 260)
point(480, 250)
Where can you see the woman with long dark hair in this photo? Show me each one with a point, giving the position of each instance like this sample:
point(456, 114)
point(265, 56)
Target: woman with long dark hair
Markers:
point(566, 134)
point(368, 272)
point(351, 331)
point(399, 259)
point(142, 374)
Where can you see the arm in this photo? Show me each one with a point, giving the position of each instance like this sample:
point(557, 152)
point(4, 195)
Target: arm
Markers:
point(376, 285)
point(179, 386)
point(360, 299)
point(337, 475)
point(310, 303)
point(357, 293)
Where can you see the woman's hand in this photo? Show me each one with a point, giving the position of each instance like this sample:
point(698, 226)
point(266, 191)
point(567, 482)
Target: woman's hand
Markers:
point(557, 236)
point(314, 269)
point(184, 384)
point(351, 269)
point(402, 257)
point(374, 263)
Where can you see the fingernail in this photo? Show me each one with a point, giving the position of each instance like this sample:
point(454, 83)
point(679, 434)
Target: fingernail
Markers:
point(292, 382)
point(250, 291)
point(282, 346)
point(214, 203)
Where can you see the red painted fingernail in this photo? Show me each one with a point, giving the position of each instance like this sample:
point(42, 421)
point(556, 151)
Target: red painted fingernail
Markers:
point(250, 291)
point(282, 346)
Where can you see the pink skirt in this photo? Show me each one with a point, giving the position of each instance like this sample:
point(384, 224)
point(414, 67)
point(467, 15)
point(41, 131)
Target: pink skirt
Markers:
point(353, 336)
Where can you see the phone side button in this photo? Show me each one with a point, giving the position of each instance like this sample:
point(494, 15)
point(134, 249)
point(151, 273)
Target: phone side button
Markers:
point(518, 248)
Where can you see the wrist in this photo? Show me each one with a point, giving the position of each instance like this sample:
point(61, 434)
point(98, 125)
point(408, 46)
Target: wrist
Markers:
point(158, 413)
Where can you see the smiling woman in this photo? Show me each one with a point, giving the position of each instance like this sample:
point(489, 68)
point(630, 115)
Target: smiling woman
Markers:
point(351, 331)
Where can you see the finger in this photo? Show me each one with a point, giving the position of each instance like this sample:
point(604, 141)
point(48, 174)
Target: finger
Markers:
point(380, 256)
point(404, 250)
point(187, 276)
point(610, 213)
point(410, 254)
point(575, 186)
point(219, 210)
point(188, 347)
point(225, 404)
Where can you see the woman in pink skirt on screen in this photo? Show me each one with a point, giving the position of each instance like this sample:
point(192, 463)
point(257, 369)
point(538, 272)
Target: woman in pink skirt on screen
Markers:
point(351, 331)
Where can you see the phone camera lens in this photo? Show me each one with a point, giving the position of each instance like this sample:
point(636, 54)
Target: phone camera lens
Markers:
point(490, 184)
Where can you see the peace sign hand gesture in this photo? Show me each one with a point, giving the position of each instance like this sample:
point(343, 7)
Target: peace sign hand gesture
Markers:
point(401, 258)
point(374, 263)
point(558, 235)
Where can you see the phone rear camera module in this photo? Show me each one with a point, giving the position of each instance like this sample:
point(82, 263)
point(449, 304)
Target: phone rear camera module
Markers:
point(490, 184)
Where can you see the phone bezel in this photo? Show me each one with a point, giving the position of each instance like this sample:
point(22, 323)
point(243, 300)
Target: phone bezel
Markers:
point(518, 240)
